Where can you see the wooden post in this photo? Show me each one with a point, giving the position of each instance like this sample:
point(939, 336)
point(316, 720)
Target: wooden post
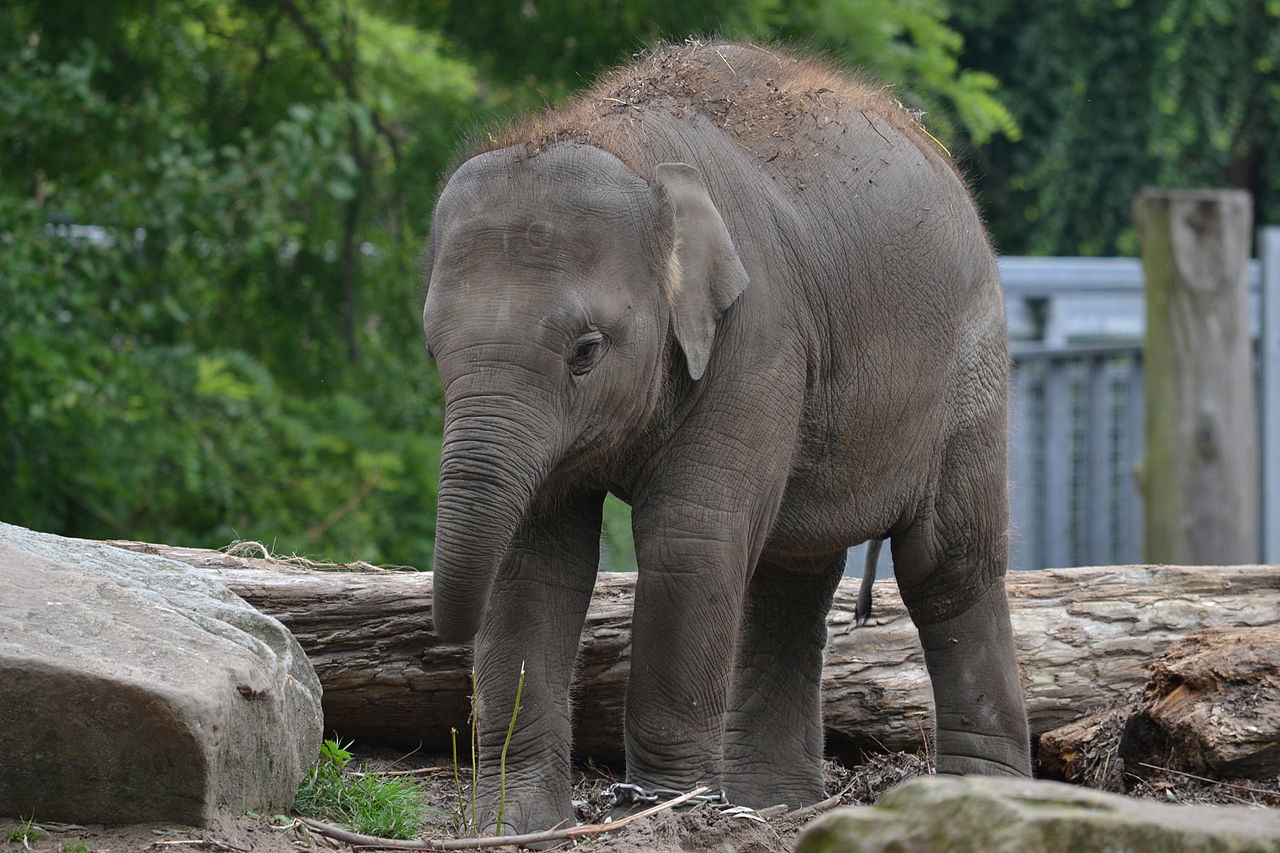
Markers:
point(1200, 475)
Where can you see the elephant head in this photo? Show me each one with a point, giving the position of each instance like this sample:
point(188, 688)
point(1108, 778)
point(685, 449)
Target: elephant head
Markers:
point(555, 283)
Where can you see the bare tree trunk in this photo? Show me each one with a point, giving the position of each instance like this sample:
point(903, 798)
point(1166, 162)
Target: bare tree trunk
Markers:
point(1085, 638)
point(1200, 476)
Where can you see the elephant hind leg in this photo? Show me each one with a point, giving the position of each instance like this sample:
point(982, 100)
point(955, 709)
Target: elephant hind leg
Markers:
point(950, 564)
point(773, 728)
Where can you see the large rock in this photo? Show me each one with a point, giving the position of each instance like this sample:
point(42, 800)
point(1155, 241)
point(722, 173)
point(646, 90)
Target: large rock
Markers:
point(1000, 815)
point(135, 688)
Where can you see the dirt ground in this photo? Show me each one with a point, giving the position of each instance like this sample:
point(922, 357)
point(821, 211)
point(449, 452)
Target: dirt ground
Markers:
point(700, 828)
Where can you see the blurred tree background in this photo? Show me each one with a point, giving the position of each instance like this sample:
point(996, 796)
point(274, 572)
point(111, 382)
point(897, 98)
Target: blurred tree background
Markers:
point(211, 213)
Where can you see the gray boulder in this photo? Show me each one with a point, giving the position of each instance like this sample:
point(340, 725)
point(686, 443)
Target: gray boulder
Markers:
point(133, 688)
point(1000, 815)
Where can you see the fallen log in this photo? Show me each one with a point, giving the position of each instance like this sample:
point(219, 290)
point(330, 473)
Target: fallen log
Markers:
point(1212, 707)
point(1085, 638)
point(1084, 751)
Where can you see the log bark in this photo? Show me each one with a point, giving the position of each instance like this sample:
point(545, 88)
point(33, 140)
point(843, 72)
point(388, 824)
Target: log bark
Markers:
point(1085, 639)
point(1212, 706)
point(1084, 751)
point(1200, 475)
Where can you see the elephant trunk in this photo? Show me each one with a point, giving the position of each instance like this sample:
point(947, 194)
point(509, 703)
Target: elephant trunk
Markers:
point(490, 469)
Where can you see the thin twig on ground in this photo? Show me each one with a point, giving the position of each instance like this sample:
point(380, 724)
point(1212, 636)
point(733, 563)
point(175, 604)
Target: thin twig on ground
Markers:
point(829, 803)
point(924, 739)
point(1206, 779)
point(1172, 796)
point(359, 840)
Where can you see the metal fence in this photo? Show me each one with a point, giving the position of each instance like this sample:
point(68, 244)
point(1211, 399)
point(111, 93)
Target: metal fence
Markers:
point(1076, 422)
point(1075, 437)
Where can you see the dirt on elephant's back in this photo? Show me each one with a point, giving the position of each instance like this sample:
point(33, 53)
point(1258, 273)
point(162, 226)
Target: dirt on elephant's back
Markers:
point(777, 106)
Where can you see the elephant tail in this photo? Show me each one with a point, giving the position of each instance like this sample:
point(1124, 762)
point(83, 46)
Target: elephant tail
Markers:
point(862, 611)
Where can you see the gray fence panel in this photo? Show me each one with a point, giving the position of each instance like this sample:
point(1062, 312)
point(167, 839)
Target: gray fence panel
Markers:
point(1269, 399)
point(1100, 436)
point(1075, 439)
point(1055, 499)
point(1024, 543)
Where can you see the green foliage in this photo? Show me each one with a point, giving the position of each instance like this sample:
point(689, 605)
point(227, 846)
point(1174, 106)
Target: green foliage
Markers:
point(1115, 95)
point(908, 43)
point(210, 319)
point(210, 214)
point(619, 547)
point(369, 803)
point(27, 833)
point(554, 47)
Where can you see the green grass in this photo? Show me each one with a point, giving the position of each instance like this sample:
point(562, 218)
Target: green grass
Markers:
point(386, 806)
point(27, 833)
point(511, 730)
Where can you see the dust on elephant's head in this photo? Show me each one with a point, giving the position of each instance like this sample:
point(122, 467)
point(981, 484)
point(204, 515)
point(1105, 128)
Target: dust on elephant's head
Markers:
point(556, 283)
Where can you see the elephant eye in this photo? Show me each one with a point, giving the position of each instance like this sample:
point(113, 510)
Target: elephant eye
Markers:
point(586, 352)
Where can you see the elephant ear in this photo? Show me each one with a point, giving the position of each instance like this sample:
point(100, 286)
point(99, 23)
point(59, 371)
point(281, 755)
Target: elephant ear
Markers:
point(704, 275)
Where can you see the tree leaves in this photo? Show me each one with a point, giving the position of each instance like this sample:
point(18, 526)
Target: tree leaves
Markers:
point(1114, 96)
point(207, 206)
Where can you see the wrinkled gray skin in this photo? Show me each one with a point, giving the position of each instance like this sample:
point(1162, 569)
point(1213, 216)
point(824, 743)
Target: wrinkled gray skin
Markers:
point(830, 367)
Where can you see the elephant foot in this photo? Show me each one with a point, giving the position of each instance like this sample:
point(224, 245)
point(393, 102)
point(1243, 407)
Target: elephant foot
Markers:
point(512, 829)
point(525, 809)
point(517, 821)
point(969, 753)
point(766, 793)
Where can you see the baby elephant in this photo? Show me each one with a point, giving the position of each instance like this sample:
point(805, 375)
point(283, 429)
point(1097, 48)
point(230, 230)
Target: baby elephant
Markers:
point(752, 298)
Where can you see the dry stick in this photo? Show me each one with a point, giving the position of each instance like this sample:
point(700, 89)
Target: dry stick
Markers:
point(770, 52)
point(828, 803)
point(415, 772)
point(207, 840)
point(1147, 782)
point(1210, 781)
point(876, 129)
point(359, 840)
point(924, 739)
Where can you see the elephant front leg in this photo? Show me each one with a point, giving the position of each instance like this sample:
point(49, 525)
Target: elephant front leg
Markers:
point(533, 622)
point(684, 628)
point(700, 524)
